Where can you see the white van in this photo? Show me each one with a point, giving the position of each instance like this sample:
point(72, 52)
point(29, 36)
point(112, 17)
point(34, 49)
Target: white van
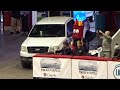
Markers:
point(46, 36)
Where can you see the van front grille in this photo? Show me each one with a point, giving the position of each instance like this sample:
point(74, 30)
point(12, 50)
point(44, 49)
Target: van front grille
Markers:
point(37, 49)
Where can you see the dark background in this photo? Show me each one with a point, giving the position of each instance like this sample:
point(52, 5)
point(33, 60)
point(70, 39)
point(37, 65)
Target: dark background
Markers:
point(47, 5)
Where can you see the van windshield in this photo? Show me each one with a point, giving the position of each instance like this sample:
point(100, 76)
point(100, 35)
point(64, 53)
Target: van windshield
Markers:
point(51, 30)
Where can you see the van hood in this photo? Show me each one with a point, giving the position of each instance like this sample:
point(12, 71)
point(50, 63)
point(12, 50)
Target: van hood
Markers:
point(50, 41)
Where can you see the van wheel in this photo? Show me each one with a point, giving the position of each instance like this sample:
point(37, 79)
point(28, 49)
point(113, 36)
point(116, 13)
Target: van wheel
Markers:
point(25, 64)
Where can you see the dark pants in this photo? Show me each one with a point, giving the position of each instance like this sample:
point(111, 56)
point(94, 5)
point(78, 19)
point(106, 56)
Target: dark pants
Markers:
point(25, 23)
point(87, 45)
point(88, 36)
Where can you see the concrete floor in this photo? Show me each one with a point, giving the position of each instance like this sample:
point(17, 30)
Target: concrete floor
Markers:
point(10, 65)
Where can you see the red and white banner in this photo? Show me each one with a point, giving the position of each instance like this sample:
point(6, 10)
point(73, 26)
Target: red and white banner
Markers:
point(76, 67)
point(89, 69)
point(46, 67)
point(113, 69)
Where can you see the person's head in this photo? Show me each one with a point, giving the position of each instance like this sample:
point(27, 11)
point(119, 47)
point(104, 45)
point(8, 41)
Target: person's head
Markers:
point(107, 33)
point(116, 46)
point(71, 45)
point(65, 44)
point(79, 43)
point(87, 19)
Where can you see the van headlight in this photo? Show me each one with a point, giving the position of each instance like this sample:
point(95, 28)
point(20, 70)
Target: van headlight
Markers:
point(23, 48)
point(56, 48)
point(51, 49)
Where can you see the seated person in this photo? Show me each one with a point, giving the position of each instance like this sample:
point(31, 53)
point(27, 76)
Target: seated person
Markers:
point(72, 46)
point(80, 50)
point(117, 52)
point(66, 50)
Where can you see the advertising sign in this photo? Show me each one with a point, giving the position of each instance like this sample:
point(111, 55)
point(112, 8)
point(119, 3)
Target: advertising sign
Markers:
point(113, 70)
point(89, 69)
point(52, 67)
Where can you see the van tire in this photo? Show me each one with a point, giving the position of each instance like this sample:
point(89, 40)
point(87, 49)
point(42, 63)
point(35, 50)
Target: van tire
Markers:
point(25, 64)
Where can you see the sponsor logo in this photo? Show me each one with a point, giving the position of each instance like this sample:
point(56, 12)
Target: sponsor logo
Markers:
point(37, 49)
point(52, 65)
point(49, 75)
point(86, 77)
point(116, 72)
point(86, 67)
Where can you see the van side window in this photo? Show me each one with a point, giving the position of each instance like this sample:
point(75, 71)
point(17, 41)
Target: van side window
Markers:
point(70, 27)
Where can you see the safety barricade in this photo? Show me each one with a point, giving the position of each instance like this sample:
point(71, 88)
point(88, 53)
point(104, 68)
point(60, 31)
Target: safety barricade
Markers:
point(75, 67)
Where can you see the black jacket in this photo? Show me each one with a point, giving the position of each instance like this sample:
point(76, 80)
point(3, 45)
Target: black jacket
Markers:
point(65, 51)
point(79, 52)
point(16, 14)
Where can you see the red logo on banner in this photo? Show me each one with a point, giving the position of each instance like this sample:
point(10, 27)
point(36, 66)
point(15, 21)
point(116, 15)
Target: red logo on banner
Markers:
point(82, 77)
point(44, 74)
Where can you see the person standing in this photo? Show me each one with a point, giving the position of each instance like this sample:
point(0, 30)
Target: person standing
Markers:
point(25, 24)
point(15, 22)
point(106, 43)
point(0, 20)
point(86, 26)
point(87, 34)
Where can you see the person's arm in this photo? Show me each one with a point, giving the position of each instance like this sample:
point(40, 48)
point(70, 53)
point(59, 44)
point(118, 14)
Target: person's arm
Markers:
point(103, 34)
point(99, 35)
